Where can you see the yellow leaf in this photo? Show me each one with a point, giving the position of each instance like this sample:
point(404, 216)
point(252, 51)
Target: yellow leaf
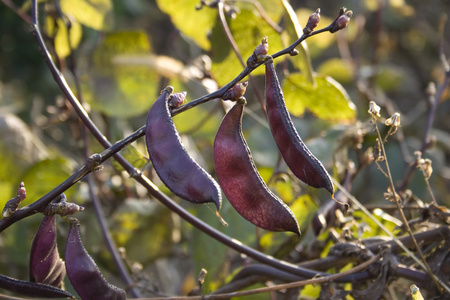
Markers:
point(95, 14)
point(62, 35)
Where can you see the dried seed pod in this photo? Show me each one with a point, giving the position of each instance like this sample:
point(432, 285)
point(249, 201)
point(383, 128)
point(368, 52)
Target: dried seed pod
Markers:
point(32, 289)
point(241, 182)
point(174, 166)
point(297, 156)
point(83, 273)
point(45, 264)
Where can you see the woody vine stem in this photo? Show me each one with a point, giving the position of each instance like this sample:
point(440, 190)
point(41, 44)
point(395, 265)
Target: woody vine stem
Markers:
point(112, 150)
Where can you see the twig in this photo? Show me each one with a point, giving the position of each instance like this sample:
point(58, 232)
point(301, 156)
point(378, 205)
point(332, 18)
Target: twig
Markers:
point(109, 240)
point(431, 114)
point(235, 47)
point(152, 188)
point(382, 227)
point(278, 287)
point(18, 11)
point(399, 207)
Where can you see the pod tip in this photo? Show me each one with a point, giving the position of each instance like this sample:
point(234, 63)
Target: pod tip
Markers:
point(221, 220)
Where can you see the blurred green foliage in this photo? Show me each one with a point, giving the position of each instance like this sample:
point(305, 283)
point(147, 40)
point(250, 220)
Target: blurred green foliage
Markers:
point(125, 52)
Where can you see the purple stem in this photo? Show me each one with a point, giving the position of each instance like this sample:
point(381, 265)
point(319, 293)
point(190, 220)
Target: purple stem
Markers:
point(152, 189)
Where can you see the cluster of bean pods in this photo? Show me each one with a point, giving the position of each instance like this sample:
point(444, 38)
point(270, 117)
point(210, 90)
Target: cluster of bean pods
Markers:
point(233, 163)
point(241, 182)
point(48, 270)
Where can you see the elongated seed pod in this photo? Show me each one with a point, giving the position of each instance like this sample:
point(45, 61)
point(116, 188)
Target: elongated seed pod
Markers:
point(241, 182)
point(174, 166)
point(45, 264)
point(32, 289)
point(84, 274)
point(297, 156)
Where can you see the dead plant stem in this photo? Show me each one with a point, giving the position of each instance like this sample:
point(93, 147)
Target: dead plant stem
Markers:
point(399, 207)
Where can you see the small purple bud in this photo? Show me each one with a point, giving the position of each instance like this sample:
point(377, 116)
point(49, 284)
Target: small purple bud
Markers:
point(262, 49)
point(236, 92)
point(259, 54)
point(176, 100)
point(12, 205)
point(21, 192)
point(313, 20)
point(342, 21)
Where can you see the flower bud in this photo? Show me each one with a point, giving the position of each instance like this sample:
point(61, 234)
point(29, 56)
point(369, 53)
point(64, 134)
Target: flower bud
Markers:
point(342, 22)
point(176, 100)
point(259, 54)
point(313, 20)
point(236, 92)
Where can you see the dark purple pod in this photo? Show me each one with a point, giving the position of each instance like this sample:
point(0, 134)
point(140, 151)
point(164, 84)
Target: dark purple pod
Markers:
point(174, 166)
point(297, 156)
point(84, 275)
point(32, 289)
point(45, 264)
point(241, 182)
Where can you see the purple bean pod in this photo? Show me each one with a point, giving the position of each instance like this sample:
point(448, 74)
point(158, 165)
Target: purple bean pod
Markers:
point(174, 166)
point(84, 275)
point(297, 156)
point(241, 182)
point(32, 289)
point(45, 264)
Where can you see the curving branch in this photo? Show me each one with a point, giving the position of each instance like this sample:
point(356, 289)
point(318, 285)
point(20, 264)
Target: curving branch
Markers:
point(112, 150)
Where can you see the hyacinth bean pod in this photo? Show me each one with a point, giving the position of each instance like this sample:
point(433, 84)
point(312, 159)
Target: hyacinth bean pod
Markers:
point(241, 182)
point(174, 166)
point(32, 289)
point(45, 264)
point(84, 275)
point(297, 156)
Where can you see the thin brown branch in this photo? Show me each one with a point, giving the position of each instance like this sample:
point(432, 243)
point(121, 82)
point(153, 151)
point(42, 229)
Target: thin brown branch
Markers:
point(278, 287)
point(18, 11)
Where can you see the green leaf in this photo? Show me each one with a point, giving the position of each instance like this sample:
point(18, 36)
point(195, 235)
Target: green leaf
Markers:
point(96, 14)
point(20, 149)
point(45, 176)
point(121, 90)
point(338, 69)
point(195, 24)
point(247, 30)
point(327, 100)
point(133, 156)
point(62, 35)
